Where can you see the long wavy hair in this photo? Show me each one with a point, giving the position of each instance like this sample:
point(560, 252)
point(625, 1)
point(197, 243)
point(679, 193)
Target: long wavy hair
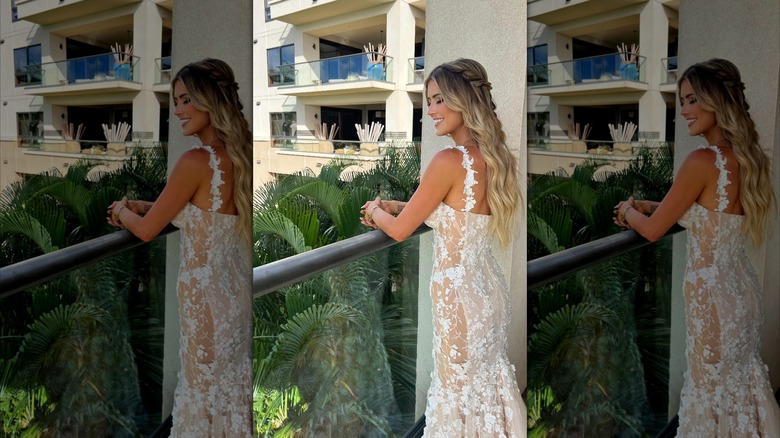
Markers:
point(717, 85)
point(212, 87)
point(464, 87)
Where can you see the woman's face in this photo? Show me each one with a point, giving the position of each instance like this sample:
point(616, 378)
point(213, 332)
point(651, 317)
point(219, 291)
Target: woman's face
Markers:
point(445, 120)
point(699, 120)
point(193, 120)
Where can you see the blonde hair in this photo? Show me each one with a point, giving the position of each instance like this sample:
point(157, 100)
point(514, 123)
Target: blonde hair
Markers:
point(464, 87)
point(212, 87)
point(718, 87)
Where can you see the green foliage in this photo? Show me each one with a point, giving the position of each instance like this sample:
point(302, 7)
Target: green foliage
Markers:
point(335, 355)
point(81, 353)
point(598, 340)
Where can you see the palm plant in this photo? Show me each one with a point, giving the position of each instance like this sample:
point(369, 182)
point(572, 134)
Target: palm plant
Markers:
point(598, 347)
point(336, 352)
point(70, 351)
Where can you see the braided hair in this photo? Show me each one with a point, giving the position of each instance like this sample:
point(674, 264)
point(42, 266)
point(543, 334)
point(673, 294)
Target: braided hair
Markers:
point(212, 88)
point(465, 88)
point(717, 85)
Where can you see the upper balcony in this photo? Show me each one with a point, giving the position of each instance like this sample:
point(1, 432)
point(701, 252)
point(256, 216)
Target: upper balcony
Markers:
point(588, 76)
point(416, 75)
point(341, 75)
point(46, 12)
point(298, 12)
point(99, 74)
point(669, 74)
point(552, 12)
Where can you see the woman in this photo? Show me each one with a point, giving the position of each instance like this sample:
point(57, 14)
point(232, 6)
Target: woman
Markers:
point(469, 195)
point(208, 196)
point(722, 195)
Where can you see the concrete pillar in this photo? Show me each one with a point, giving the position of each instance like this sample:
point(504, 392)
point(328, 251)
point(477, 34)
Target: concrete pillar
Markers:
point(453, 31)
point(725, 31)
point(232, 43)
point(147, 45)
point(653, 42)
point(400, 45)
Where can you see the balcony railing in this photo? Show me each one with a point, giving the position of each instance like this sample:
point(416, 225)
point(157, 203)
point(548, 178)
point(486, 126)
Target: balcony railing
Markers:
point(594, 69)
point(89, 69)
point(669, 70)
point(349, 68)
point(86, 148)
point(344, 148)
point(28, 75)
point(416, 70)
point(162, 70)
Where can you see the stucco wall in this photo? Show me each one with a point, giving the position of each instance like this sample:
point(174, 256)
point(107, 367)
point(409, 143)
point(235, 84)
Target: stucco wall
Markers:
point(457, 29)
point(748, 35)
point(201, 29)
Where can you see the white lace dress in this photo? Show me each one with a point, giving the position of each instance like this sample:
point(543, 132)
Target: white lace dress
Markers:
point(214, 394)
point(473, 390)
point(726, 392)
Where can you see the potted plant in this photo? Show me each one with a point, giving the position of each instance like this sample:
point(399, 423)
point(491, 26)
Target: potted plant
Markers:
point(376, 61)
point(123, 60)
point(115, 136)
point(621, 136)
point(325, 137)
point(72, 137)
point(369, 136)
point(629, 61)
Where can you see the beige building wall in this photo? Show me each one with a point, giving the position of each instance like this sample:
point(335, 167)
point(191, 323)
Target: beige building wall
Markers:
point(457, 29)
point(201, 29)
point(747, 35)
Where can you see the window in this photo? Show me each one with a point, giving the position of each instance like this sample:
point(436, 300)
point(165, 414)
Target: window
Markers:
point(29, 128)
point(538, 129)
point(283, 128)
point(281, 65)
point(537, 65)
point(27, 65)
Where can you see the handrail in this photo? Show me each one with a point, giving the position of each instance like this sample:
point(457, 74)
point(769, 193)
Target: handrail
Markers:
point(31, 272)
point(294, 269)
point(551, 267)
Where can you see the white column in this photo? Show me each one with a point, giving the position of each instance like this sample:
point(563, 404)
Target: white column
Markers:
point(400, 46)
point(653, 42)
point(147, 46)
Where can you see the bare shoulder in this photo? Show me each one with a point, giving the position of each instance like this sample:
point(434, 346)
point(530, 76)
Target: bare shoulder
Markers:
point(448, 157)
point(701, 158)
point(195, 159)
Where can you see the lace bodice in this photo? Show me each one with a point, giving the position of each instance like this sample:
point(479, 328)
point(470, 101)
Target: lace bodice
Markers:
point(473, 390)
point(726, 390)
point(214, 394)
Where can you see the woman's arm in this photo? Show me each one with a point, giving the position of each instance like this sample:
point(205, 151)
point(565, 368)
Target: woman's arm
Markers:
point(178, 191)
point(686, 189)
point(436, 182)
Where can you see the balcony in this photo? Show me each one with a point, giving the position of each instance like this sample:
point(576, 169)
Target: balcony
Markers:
point(552, 12)
point(45, 12)
point(669, 74)
point(162, 74)
point(350, 74)
point(298, 12)
point(416, 75)
point(98, 74)
point(604, 74)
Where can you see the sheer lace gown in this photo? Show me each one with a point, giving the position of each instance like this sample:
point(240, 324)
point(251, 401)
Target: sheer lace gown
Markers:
point(473, 390)
point(214, 394)
point(726, 392)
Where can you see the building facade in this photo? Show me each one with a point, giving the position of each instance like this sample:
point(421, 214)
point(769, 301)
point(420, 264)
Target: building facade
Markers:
point(69, 68)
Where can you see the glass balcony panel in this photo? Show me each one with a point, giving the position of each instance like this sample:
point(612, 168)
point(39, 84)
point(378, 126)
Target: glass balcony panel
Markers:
point(598, 359)
point(338, 351)
point(163, 70)
point(669, 70)
point(588, 70)
point(84, 352)
point(416, 70)
point(90, 69)
point(350, 68)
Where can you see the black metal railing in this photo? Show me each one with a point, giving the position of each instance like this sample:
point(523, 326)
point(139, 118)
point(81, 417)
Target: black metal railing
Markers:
point(37, 270)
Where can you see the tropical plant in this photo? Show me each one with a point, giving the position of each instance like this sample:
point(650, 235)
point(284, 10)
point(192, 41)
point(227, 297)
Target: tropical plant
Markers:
point(335, 353)
point(598, 345)
point(72, 348)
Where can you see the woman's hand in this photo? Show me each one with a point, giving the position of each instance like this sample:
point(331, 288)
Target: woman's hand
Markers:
point(620, 212)
point(368, 209)
point(113, 212)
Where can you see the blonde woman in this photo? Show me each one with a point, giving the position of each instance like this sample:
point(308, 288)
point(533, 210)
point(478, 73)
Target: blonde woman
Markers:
point(722, 194)
point(469, 195)
point(208, 196)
